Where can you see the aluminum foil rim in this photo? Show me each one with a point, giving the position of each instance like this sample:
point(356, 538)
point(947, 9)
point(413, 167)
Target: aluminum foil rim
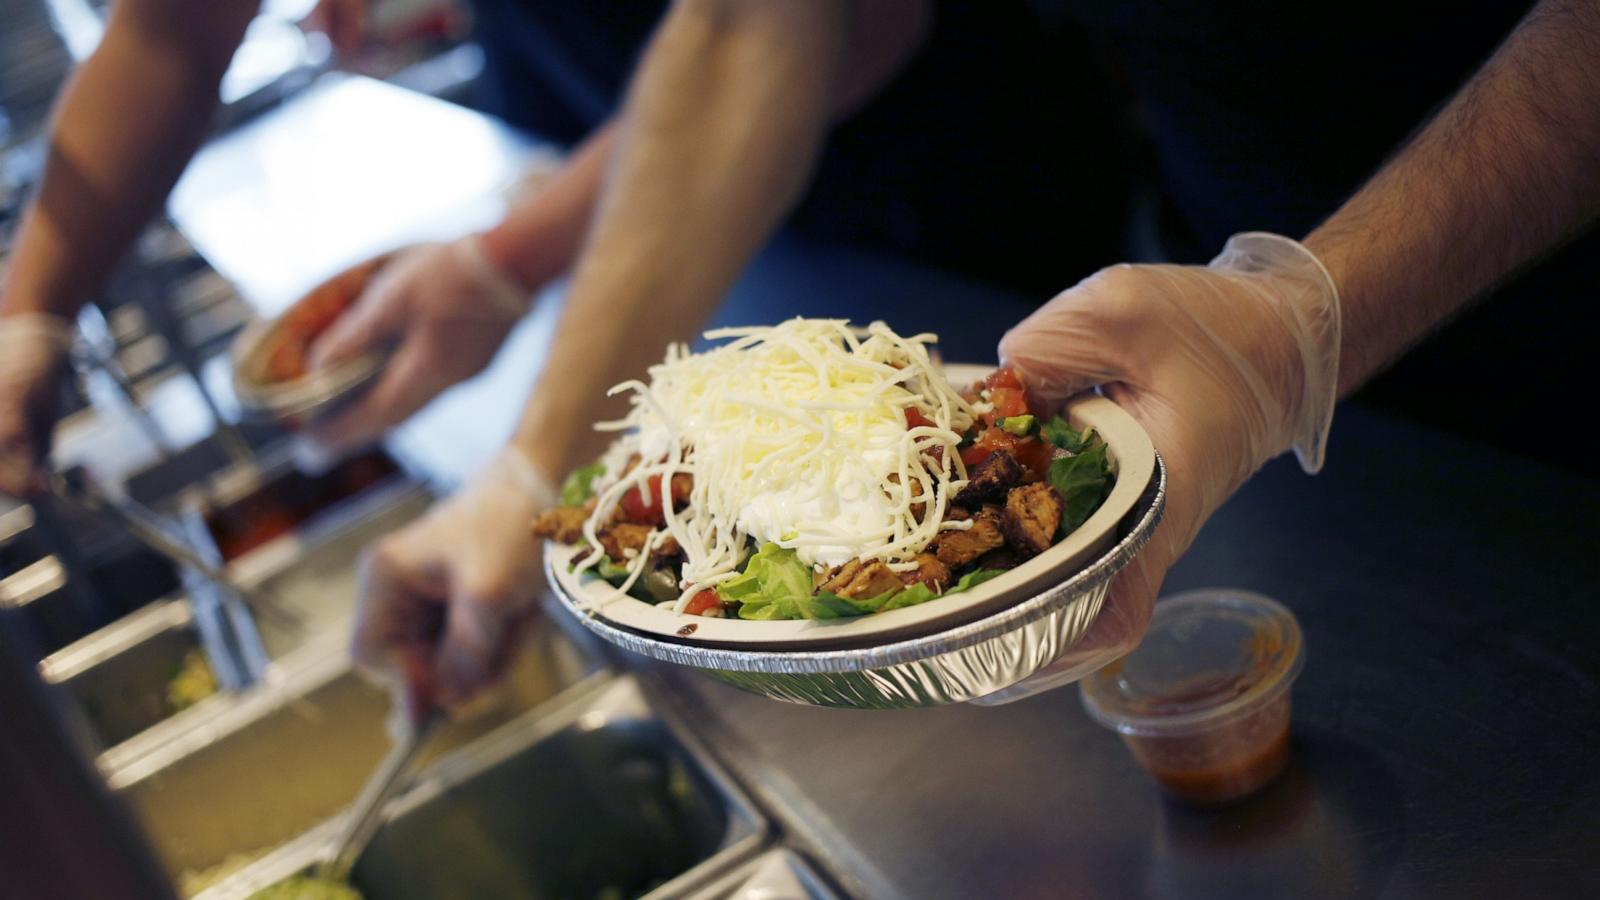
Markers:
point(899, 652)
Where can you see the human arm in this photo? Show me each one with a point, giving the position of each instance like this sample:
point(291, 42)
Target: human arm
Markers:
point(1506, 171)
point(720, 128)
point(1232, 364)
point(436, 304)
point(446, 308)
point(126, 124)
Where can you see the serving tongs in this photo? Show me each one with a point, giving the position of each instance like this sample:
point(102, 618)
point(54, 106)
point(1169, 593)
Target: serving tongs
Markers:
point(227, 632)
point(366, 813)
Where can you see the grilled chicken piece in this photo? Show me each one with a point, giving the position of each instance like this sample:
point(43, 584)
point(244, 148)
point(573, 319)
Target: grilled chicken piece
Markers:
point(989, 480)
point(929, 571)
point(1001, 557)
point(859, 580)
point(669, 548)
point(561, 523)
point(957, 548)
point(623, 537)
point(682, 485)
point(917, 509)
point(1032, 515)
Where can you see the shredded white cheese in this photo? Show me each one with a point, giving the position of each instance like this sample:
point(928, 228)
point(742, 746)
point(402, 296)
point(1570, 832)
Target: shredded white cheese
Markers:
point(794, 434)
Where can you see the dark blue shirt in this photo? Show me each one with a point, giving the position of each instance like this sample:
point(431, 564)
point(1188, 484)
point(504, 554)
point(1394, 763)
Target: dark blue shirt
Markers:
point(1268, 113)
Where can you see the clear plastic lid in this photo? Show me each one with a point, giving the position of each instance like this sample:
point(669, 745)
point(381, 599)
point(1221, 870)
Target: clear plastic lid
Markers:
point(1209, 657)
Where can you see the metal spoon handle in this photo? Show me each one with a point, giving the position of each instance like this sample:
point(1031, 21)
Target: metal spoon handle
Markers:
point(154, 532)
point(365, 814)
point(142, 524)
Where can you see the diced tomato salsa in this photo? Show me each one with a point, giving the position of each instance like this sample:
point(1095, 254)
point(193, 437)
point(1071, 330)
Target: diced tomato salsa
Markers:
point(1009, 397)
point(703, 602)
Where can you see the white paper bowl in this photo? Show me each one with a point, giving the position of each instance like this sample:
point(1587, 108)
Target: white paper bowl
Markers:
point(1133, 459)
point(295, 402)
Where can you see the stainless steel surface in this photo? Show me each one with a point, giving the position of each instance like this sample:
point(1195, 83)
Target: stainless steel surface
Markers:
point(293, 752)
point(1444, 725)
point(595, 796)
point(226, 630)
point(345, 170)
point(778, 874)
point(94, 354)
point(34, 60)
point(67, 575)
point(952, 666)
point(362, 819)
point(58, 594)
point(142, 524)
point(311, 575)
point(119, 675)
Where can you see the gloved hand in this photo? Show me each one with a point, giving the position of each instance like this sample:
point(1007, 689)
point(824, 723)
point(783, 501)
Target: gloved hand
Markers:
point(1225, 366)
point(33, 360)
point(445, 601)
point(447, 310)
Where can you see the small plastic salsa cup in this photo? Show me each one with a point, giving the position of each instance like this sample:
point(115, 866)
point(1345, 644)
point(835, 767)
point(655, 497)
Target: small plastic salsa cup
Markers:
point(1203, 702)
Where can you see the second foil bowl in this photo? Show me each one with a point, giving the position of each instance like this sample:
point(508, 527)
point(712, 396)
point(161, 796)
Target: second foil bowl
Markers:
point(959, 664)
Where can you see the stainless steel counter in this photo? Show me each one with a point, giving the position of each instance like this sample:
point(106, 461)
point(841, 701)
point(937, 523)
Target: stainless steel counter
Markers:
point(1445, 726)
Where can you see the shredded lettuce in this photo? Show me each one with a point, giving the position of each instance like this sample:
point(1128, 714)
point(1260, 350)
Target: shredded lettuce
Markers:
point(611, 570)
point(775, 584)
point(579, 486)
point(1058, 432)
point(1082, 481)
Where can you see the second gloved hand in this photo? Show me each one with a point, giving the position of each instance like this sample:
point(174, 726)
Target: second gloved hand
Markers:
point(33, 362)
point(445, 309)
point(1225, 366)
point(445, 601)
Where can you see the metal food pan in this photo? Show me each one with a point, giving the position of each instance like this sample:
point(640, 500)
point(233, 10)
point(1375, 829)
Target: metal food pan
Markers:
point(290, 753)
point(963, 663)
point(237, 511)
point(58, 606)
point(311, 575)
point(600, 798)
point(118, 675)
point(778, 874)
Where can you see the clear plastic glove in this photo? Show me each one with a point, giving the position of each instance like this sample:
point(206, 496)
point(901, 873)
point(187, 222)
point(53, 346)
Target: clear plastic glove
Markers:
point(33, 360)
point(445, 309)
point(446, 600)
point(1226, 366)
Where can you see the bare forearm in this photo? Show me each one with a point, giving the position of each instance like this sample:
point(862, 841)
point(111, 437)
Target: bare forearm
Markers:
point(540, 237)
point(127, 123)
point(1506, 171)
point(718, 137)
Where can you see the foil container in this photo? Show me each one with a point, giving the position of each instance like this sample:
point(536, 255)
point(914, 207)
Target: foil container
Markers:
point(958, 664)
